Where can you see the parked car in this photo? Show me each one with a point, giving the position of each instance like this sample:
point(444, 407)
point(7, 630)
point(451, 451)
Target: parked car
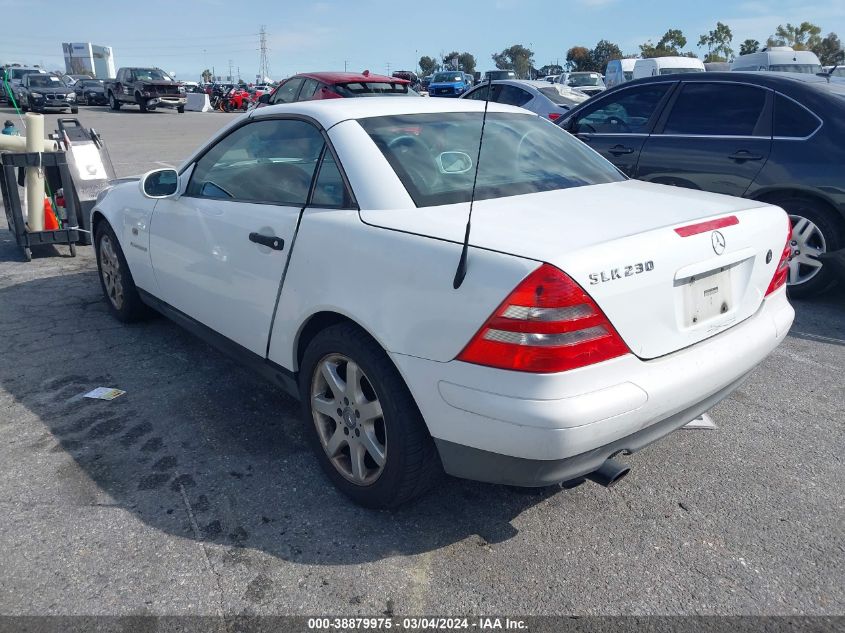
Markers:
point(148, 88)
point(451, 83)
point(835, 71)
point(335, 85)
point(409, 76)
point(717, 67)
point(14, 77)
point(595, 314)
point(74, 78)
point(779, 59)
point(776, 138)
point(619, 71)
point(588, 83)
point(90, 92)
point(549, 101)
point(667, 66)
point(41, 92)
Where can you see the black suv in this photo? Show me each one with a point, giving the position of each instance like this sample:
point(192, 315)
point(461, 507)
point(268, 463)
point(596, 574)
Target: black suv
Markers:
point(773, 137)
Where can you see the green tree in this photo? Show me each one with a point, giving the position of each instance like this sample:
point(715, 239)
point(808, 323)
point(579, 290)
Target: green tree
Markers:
point(428, 65)
point(603, 53)
point(451, 61)
point(206, 76)
point(803, 37)
point(669, 45)
point(466, 61)
point(718, 43)
point(749, 46)
point(517, 58)
point(550, 69)
point(578, 58)
point(829, 50)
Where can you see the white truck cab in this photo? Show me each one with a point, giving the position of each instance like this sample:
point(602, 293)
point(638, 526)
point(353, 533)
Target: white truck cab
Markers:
point(779, 59)
point(667, 66)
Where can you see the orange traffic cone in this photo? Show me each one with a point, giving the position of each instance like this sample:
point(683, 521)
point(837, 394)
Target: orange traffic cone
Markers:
point(50, 221)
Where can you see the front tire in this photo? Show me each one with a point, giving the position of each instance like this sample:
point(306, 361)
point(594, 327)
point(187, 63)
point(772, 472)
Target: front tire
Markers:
point(180, 109)
point(74, 110)
point(115, 278)
point(364, 425)
point(114, 104)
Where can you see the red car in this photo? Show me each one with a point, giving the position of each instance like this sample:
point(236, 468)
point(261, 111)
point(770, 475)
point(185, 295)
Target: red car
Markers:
point(309, 86)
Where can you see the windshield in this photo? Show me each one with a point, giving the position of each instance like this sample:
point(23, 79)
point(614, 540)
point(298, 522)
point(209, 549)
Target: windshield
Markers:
point(584, 80)
point(92, 83)
point(44, 81)
point(434, 156)
point(373, 89)
point(150, 74)
point(18, 73)
point(446, 78)
point(679, 71)
point(796, 68)
point(839, 72)
point(555, 96)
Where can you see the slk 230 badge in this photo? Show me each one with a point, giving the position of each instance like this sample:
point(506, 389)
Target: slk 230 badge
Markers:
point(621, 272)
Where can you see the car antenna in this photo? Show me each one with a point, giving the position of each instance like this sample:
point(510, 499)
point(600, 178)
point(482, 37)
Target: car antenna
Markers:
point(461, 272)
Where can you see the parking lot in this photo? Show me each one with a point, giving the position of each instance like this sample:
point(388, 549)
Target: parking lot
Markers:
point(195, 493)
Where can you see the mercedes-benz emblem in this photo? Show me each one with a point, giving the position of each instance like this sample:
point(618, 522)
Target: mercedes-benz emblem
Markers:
point(718, 241)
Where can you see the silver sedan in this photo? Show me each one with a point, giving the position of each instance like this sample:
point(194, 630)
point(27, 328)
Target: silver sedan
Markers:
point(551, 101)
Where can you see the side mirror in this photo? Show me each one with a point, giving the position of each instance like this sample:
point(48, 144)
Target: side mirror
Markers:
point(160, 183)
point(264, 98)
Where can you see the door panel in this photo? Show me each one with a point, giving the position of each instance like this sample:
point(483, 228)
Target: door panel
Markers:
point(715, 137)
point(208, 267)
point(219, 251)
point(623, 150)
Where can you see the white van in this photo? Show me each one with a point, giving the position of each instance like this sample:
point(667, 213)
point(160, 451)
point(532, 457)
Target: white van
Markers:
point(667, 66)
point(619, 71)
point(779, 59)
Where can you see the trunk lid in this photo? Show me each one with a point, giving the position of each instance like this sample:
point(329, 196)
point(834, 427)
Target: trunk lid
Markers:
point(661, 291)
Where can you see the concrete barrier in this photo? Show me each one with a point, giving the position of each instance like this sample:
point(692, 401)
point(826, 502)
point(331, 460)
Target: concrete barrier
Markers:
point(198, 102)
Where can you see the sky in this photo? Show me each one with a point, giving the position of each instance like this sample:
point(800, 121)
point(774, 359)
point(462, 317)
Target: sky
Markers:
point(186, 36)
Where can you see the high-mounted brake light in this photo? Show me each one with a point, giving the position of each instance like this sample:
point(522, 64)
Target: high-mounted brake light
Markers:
point(782, 270)
point(554, 116)
point(547, 324)
point(710, 225)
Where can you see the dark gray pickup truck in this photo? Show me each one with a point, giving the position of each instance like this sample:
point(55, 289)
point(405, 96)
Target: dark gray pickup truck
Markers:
point(148, 88)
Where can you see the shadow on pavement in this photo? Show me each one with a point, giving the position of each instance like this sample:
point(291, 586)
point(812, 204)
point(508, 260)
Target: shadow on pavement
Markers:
point(198, 446)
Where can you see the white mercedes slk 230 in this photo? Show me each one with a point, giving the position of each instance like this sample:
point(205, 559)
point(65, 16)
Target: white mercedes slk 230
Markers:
point(321, 243)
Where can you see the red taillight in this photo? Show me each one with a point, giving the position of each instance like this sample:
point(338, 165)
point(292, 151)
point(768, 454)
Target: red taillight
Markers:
point(782, 270)
point(547, 324)
point(554, 116)
point(710, 225)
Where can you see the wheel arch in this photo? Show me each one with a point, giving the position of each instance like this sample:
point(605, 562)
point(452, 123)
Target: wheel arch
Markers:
point(772, 194)
point(316, 323)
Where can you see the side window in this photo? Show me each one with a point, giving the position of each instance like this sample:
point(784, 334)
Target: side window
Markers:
point(626, 112)
point(330, 191)
point(478, 94)
point(739, 110)
point(793, 120)
point(269, 161)
point(286, 93)
point(309, 87)
point(511, 95)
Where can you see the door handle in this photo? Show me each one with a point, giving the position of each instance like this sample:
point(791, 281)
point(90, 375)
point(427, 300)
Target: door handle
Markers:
point(745, 155)
point(618, 150)
point(271, 241)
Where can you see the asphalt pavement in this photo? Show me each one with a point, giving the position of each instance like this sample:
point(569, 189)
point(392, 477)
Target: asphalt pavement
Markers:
point(195, 492)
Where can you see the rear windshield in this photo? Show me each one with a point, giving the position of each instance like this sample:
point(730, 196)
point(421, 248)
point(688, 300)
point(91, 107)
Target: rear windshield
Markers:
point(796, 68)
point(554, 95)
point(434, 156)
point(676, 71)
point(373, 89)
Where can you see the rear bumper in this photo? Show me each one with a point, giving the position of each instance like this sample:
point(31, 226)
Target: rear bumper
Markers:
point(533, 430)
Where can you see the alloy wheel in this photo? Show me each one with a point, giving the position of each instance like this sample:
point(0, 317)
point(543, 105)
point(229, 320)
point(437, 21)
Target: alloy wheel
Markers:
point(110, 271)
point(806, 243)
point(349, 420)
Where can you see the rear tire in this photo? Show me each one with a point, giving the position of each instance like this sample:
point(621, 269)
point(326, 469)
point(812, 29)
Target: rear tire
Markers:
point(379, 420)
point(823, 234)
point(116, 279)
